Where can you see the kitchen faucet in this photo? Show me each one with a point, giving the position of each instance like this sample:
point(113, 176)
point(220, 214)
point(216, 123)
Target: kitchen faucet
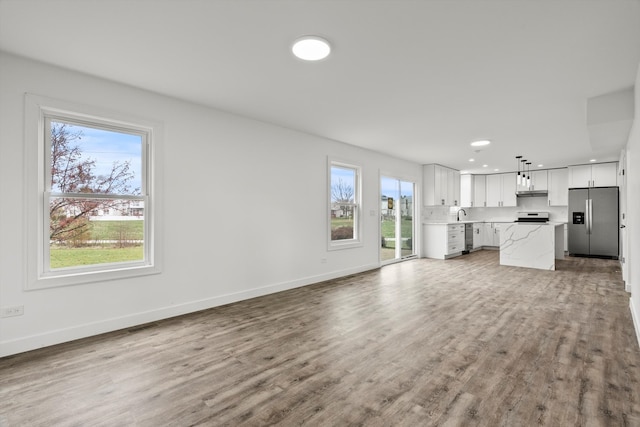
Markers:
point(458, 215)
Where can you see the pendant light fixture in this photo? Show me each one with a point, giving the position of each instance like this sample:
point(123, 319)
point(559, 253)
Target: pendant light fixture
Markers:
point(524, 175)
point(519, 178)
point(528, 175)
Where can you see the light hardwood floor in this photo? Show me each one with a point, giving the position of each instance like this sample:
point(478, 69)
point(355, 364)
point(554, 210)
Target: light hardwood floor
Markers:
point(425, 342)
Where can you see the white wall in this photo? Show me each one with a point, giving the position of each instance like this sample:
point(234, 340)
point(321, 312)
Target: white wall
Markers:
point(633, 211)
point(213, 160)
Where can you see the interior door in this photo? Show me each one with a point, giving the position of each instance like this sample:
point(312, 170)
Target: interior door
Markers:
point(397, 228)
point(624, 242)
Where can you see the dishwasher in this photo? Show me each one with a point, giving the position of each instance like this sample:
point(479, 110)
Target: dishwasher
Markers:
point(468, 238)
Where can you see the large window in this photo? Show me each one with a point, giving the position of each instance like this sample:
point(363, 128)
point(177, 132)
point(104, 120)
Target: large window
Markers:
point(344, 205)
point(95, 204)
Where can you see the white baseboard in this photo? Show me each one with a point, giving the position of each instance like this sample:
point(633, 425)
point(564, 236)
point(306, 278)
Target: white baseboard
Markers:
point(636, 320)
point(58, 336)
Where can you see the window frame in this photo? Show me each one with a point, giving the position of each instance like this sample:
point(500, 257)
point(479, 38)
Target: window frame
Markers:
point(356, 241)
point(40, 111)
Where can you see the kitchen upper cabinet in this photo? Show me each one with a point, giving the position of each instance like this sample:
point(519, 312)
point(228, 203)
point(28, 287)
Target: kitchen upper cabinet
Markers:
point(466, 190)
point(558, 187)
point(604, 174)
point(480, 191)
point(441, 186)
point(595, 175)
point(473, 190)
point(501, 190)
point(539, 180)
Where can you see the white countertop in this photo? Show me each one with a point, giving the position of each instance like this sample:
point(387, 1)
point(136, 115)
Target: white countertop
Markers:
point(485, 221)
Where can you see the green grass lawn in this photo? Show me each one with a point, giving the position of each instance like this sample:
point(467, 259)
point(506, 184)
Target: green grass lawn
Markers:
point(74, 257)
point(114, 230)
point(88, 253)
point(388, 228)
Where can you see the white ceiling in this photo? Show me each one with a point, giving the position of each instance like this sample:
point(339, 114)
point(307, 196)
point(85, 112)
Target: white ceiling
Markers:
point(415, 79)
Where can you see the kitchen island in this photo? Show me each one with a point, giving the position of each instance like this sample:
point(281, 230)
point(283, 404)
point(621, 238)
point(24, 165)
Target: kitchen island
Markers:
point(532, 245)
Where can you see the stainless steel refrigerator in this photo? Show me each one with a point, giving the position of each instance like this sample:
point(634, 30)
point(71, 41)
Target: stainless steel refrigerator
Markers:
point(593, 222)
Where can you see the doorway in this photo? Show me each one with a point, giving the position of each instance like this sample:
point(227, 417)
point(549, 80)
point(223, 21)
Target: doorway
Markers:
point(397, 228)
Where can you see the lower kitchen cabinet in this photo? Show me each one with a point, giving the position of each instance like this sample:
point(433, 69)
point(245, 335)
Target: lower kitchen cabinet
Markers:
point(442, 241)
point(478, 235)
point(491, 234)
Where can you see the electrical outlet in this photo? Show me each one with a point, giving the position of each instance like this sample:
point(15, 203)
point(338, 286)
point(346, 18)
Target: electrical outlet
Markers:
point(16, 310)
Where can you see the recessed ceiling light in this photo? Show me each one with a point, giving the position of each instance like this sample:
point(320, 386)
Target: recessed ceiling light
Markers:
point(311, 48)
point(592, 160)
point(496, 170)
point(540, 165)
point(472, 160)
point(484, 166)
point(480, 143)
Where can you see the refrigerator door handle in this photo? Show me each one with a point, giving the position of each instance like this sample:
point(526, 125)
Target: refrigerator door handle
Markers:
point(590, 217)
point(586, 216)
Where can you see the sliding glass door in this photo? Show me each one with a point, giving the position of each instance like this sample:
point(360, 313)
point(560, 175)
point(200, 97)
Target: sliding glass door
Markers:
point(396, 219)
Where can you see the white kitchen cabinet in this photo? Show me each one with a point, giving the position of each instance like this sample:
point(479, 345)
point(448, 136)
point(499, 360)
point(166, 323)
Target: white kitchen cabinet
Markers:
point(453, 193)
point(558, 187)
point(491, 236)
point(495, 238)
point(487, 237)
point(604, 174)
point(441, 186)
point(442, 241)
point(594, 175)
point(501, 190)
point(473, 189)
point(478, 235)
point(539, 180)
point(480, 191)
point(466, 190)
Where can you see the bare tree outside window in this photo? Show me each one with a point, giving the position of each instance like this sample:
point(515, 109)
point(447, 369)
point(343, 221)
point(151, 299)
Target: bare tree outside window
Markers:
point(96, 207)
point(73, 172)
point(343, 203)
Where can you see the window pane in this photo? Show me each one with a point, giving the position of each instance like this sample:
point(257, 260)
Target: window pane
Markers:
point(343, 208)
point(95, 231)
point(91, 160)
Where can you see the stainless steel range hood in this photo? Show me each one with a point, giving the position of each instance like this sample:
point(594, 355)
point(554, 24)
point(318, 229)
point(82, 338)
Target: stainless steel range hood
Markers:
point(532, 193)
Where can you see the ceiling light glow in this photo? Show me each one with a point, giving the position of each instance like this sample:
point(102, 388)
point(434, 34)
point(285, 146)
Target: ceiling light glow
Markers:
point(540, 165)
point(472, 160)
point(592, 160)
point(480, 143)
point(311, 48)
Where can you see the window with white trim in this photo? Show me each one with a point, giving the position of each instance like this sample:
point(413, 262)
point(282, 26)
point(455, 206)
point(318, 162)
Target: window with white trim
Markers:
point(93, 194)
point(344, 205)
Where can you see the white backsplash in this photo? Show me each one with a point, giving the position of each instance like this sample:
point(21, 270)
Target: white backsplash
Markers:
point(508, 214)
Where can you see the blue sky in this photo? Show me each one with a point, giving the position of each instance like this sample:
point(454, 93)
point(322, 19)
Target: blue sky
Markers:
point(107, 147)
point(389, 187)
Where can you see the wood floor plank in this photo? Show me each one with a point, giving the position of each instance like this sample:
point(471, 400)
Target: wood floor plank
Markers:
point(425, 342)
